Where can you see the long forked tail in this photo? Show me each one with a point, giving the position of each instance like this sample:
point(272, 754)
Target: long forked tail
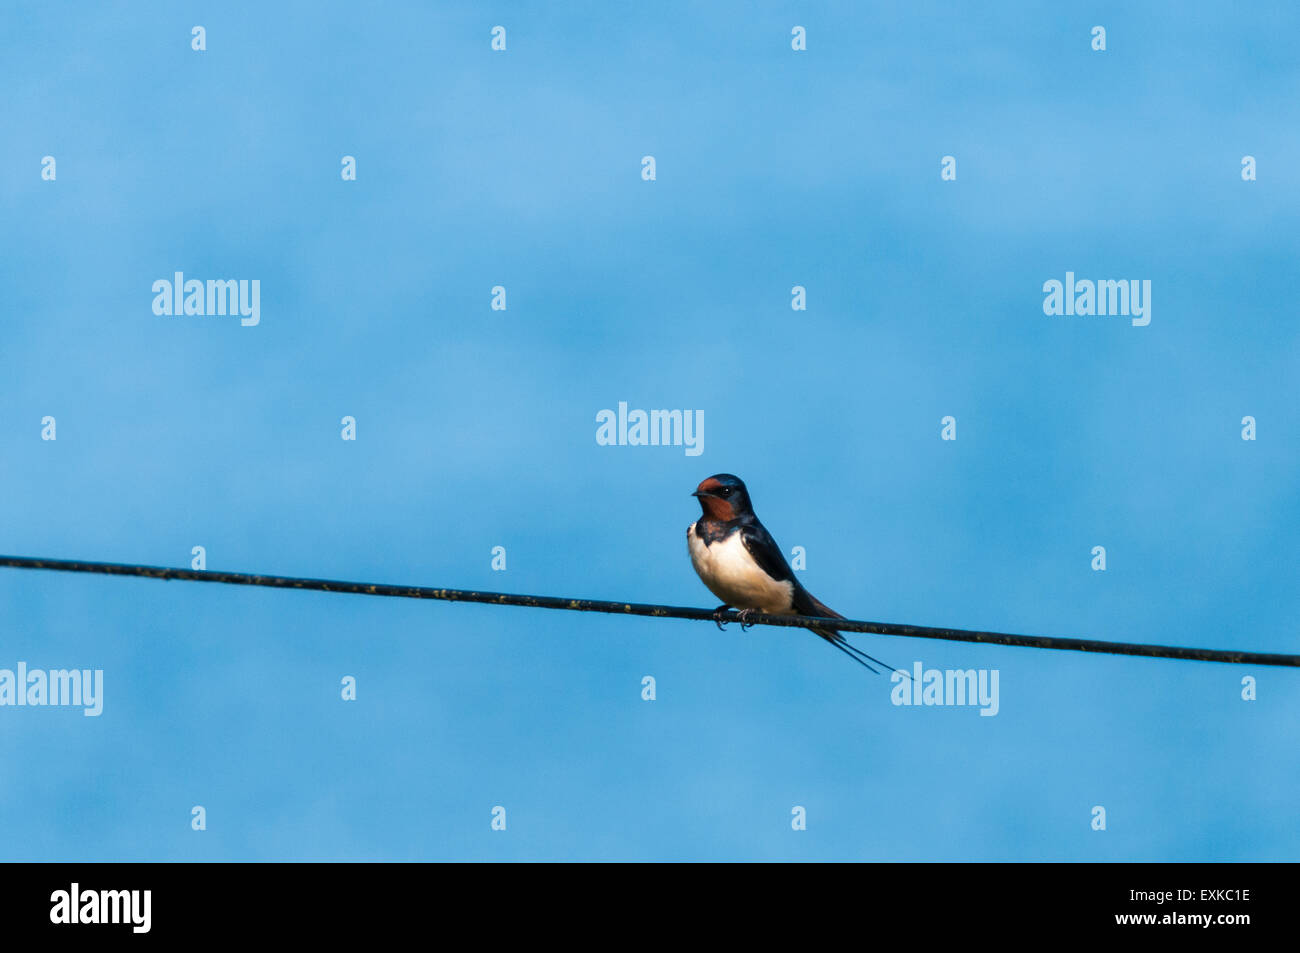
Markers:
point(808, 604)
point(851, 650)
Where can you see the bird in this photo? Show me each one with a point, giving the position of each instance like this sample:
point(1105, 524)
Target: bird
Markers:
point(739, 561)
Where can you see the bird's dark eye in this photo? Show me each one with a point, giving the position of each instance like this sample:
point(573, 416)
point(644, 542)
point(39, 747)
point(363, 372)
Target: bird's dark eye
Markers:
point(725, 491)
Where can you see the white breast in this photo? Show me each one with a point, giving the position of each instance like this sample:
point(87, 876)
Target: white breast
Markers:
point(732, 575)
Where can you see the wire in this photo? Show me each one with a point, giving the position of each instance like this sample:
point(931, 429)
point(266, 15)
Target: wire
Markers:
point(657, 611)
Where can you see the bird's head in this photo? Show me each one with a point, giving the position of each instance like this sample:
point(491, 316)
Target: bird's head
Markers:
point(723, 497)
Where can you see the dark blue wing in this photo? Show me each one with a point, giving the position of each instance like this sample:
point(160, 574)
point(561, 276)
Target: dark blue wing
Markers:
point(763, 548)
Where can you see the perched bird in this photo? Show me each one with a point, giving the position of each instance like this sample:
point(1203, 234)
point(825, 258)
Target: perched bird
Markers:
point(740, 562)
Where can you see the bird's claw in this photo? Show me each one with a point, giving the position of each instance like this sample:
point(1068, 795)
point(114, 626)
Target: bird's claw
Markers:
point(745, 615)
point(717, 618)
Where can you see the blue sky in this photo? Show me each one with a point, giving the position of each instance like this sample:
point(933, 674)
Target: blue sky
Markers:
point(476, 428)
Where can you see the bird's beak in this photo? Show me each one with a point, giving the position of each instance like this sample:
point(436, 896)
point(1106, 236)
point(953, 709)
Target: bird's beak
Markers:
point(699, 493)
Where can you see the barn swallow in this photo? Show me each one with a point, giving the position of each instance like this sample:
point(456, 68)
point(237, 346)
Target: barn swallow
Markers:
point(740, 562)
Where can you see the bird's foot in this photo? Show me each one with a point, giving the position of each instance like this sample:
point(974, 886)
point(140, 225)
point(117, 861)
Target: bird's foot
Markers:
point(745, 615)
point(717, 620)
